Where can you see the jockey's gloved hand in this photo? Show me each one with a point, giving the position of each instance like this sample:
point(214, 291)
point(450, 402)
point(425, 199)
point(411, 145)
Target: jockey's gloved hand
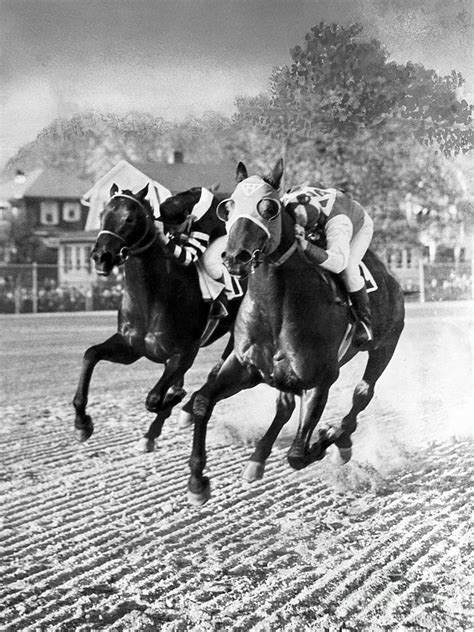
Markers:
point(300, 237)
point(160, 231)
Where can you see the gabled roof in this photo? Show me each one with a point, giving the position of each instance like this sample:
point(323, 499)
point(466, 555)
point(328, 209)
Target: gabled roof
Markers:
point(181, 176)
point(45, 183)
point(14, 190)
point(53, 183)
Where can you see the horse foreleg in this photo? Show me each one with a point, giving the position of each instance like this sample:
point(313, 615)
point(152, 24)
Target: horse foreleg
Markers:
point(301, 454)
point(232, 378)
point(363, 394)
point(167, 392)
point(176, 366)
point(185, 419)
point(114, 349)
point(284, 409)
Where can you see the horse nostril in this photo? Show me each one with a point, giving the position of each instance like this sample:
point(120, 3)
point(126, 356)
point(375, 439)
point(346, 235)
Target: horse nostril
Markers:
point(105, 257)
point(244, 256)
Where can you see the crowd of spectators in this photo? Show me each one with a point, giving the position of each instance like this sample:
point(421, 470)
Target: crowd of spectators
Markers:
point(450, 286)
point(52, 298)
point(440, 285)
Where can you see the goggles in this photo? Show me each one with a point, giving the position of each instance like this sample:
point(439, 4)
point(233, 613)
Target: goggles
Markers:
point(267, 208)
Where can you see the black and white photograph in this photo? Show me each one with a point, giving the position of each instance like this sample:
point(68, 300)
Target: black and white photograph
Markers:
point(236, 315)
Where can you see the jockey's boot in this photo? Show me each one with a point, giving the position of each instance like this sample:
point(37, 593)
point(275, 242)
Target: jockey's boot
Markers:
point(363, 335)
point(218, 309)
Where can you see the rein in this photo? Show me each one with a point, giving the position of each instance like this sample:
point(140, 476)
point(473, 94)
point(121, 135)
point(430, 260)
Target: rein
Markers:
point(134, 250)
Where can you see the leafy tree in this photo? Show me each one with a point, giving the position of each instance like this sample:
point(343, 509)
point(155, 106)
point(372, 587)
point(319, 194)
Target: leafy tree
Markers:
point(344, 116)
point(340, 84)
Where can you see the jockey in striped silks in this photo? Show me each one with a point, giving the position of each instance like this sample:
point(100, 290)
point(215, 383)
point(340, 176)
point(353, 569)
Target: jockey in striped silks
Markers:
point(190, 231)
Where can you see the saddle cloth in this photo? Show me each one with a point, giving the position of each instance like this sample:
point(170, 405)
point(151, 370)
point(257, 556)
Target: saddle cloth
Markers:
point(370, 282)
point(210, 288)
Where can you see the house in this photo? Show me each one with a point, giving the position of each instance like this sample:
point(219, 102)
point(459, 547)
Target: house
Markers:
point(164, 179)
point(47, 202)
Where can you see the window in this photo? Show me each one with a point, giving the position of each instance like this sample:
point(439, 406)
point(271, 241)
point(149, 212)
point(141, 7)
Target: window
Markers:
point(78, 257)
point(67, 258)
point(71, 211)
point(49, 213)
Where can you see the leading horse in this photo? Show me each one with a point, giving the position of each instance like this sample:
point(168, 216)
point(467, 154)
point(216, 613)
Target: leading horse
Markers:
point(289, 331)
point(162, 315)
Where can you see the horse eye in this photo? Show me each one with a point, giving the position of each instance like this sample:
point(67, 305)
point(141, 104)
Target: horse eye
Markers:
point(129, 220)
point(268, 209)
point(224, 209)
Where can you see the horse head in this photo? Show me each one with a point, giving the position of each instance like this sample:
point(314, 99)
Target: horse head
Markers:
point(127, 229)
point(253, 218)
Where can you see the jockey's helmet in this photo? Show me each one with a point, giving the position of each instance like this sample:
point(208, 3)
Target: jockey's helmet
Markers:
point(298, 203)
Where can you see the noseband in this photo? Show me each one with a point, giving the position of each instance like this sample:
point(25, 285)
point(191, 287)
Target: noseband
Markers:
point(134, 250)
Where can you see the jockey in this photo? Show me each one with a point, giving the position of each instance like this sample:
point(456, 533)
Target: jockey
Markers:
point(348, 230)
point(191, 232)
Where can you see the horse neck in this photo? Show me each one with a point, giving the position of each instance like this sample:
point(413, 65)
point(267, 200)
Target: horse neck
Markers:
point(287, 240)
point(146, 274)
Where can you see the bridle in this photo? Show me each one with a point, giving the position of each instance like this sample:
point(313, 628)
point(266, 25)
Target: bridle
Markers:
point(134, 250)
point(259, 254)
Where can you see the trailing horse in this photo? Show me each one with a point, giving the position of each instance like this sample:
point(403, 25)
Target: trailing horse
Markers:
point(290, 331)
point(162, 315)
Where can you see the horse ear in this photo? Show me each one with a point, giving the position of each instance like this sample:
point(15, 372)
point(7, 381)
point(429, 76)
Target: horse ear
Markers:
point(113, 190)
point(277, 174)
point(215, 187)
point(241, 172)
point(142, 194)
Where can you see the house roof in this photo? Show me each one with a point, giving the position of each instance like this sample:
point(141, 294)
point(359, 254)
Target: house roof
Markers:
point(53, 183)
point(14, 190)
point(45, 183)
point(181, 176)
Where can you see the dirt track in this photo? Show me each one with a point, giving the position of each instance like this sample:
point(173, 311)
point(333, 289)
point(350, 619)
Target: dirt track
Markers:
point(98, 537)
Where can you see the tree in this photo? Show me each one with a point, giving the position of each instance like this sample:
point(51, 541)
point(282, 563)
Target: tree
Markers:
point(340, 84)
point(346, 117)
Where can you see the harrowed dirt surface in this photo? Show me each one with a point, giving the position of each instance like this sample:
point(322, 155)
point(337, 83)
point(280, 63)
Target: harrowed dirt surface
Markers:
point(98, 537)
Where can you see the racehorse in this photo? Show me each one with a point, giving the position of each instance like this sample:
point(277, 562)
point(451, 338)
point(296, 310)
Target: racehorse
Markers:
point(162, 315)
point(289, 331)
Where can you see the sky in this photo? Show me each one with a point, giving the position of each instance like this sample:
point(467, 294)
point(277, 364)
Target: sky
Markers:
point(175, 58)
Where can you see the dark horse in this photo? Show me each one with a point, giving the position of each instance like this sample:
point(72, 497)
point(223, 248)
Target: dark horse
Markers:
point(162, 315)
point(289, 331)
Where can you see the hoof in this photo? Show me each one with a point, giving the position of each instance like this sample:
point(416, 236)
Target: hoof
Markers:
point(253, 471)
point(198, 499)
point(185, 420)
point(145, 445)
point(343, 455)
point(298, 462)
point(317, 452)
point(84, 429)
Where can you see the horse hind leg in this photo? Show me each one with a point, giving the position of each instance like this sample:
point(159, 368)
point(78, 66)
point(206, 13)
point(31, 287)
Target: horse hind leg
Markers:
point(114, 349)
point(256, 466)
point(363, 394)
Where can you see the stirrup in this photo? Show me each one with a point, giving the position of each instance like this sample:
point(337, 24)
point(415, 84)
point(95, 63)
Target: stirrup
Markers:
point(363, 336)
